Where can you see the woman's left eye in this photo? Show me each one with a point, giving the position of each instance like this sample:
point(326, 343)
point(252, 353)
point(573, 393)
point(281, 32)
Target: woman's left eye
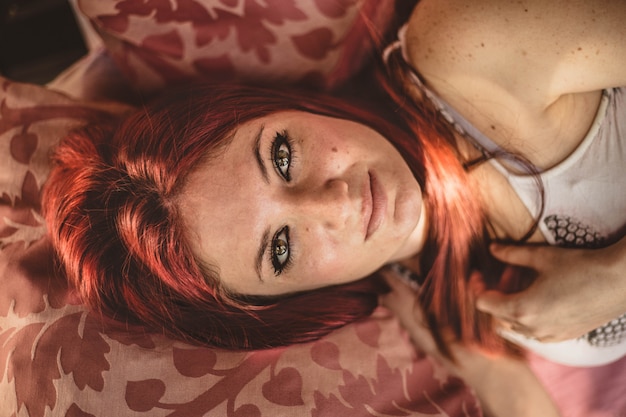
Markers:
point(281, 154)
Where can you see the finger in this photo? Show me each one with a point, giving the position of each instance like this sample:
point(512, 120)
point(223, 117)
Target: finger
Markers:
point(398, 284)
point(503, 324)
point(401, 300)
point(396, 302)
point(520, 330)
point(477, 284)
point(531, 334)
point(520, 255)
point(523, 330)
point(500, 305)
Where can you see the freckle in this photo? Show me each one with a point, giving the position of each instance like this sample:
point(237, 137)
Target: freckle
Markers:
point(334, 149)
point(524, 53)
point(580, 49)
point(482, 44)
point(493, 127)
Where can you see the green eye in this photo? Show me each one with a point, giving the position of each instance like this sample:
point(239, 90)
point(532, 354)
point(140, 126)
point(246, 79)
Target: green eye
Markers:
point(280, 254)
point(282, 158)
point(281, 155)
point(281, 248)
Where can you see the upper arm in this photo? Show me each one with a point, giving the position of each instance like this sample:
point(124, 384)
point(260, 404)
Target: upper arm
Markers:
point(535, 50)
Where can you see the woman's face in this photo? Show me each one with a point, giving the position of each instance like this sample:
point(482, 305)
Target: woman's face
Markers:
point(299, 201)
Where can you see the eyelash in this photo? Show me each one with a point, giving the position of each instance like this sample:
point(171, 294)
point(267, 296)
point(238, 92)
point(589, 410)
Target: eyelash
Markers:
point(276, 264)
point(281, 138)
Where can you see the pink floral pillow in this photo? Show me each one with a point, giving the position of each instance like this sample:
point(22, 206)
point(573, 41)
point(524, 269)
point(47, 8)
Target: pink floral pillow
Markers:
point(159, 42)
point(58, 359)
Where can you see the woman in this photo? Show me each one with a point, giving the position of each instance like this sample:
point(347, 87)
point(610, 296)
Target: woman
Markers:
point(175, 219)
point(241, 217)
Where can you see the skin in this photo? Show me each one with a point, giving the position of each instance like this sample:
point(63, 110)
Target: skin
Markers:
point(332, 164)
point(536, 99)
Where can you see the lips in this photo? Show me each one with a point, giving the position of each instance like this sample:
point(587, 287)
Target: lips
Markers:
point(375, 205)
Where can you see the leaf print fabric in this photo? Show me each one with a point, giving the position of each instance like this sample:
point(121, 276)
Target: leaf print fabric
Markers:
point(161, 42)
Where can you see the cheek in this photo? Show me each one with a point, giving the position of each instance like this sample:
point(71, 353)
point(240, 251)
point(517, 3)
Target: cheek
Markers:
point(335, 146)
point(321, 254)
point(339, 265)
point(324, 261)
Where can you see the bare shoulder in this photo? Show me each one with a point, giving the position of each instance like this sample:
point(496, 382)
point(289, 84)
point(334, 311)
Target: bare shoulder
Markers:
point(533, 49)
point(464, 30)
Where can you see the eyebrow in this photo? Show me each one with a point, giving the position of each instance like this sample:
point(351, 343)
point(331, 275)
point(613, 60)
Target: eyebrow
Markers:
point(259, 256)
point(266, 234)
point(257, 155)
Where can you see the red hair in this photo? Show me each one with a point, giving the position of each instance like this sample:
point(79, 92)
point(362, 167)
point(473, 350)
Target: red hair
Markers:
point(109, 206)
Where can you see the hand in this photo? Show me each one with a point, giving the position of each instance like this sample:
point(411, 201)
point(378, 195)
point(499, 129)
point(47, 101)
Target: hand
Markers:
point(575, 291)
point(403, 302)
point(505, 386)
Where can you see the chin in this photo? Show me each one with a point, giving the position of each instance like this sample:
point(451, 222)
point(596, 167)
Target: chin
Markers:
point(412, 240)
point(409, 223)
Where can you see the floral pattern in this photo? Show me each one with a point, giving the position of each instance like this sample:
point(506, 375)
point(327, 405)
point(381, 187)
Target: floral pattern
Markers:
point(160, 42)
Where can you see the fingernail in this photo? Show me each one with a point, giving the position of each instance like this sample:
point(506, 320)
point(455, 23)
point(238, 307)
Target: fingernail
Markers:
point(494, 246)
point(477, 284)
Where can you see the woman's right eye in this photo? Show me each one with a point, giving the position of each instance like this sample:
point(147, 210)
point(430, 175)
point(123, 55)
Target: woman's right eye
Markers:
point(280, 254)
point(282, 154)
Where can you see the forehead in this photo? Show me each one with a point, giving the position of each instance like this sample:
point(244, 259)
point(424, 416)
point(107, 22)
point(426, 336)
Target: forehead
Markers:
point(216, 205)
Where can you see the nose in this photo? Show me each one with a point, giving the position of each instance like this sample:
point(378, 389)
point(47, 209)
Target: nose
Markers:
point(329, 203)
